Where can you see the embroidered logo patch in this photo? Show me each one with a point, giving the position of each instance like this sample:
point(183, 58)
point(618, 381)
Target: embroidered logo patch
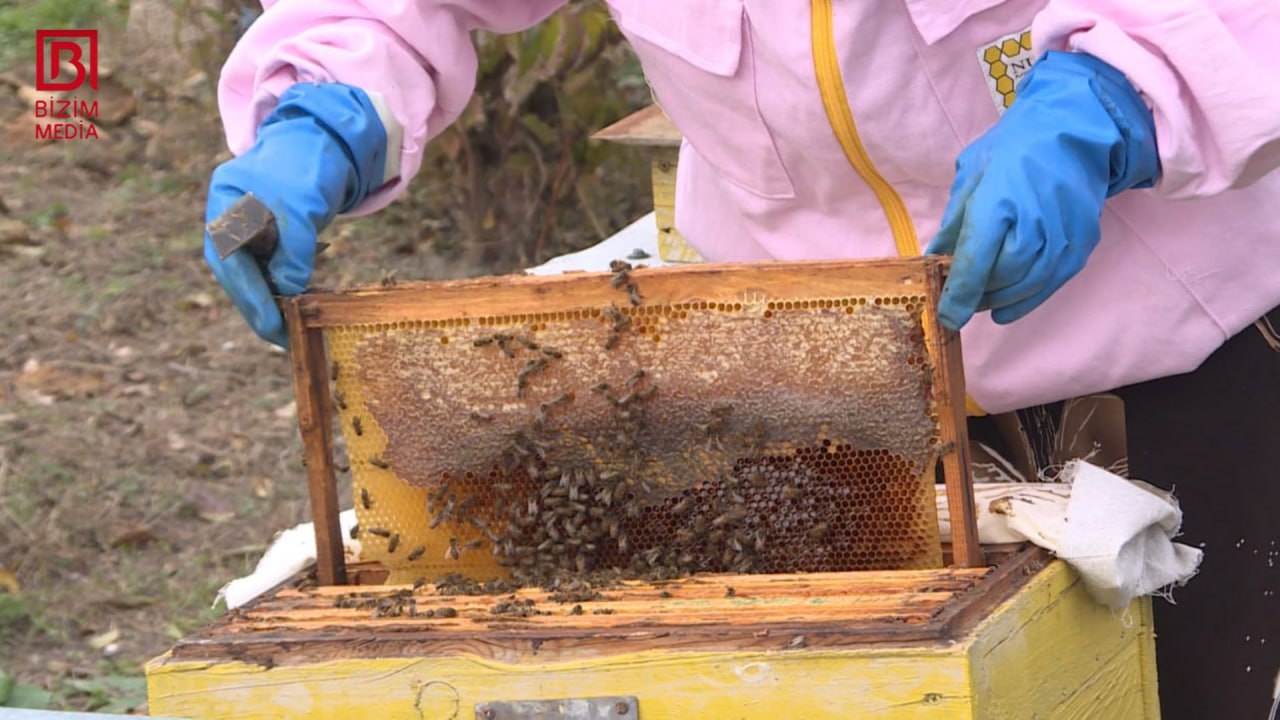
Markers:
point(1004, 61)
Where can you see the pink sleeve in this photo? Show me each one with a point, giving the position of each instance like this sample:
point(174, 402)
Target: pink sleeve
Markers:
point(415, 58)
point(1209, 69)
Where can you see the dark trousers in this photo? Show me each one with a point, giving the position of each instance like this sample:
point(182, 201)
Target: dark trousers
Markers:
point(1213, 437)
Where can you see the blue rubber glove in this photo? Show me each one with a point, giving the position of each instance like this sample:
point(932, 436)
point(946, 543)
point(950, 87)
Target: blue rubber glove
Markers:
point(1026, 205)
point(319, 153)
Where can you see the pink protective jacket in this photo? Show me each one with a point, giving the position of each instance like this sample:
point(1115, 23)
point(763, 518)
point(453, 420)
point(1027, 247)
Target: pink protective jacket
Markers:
point(814, 131)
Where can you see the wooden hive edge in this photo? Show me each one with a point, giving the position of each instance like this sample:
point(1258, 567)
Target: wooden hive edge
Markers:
point(276, 630)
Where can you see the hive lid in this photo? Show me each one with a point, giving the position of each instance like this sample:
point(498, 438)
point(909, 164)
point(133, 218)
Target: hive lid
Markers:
point(648, 126)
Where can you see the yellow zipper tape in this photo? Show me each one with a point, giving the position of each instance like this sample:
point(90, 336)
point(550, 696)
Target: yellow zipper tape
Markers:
point(826, 64)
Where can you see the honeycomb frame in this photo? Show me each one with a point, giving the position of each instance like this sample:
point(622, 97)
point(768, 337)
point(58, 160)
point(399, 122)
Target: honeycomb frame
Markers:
point(479, 305)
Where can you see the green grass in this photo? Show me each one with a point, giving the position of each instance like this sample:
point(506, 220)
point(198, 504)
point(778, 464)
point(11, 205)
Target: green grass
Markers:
point(19, 20)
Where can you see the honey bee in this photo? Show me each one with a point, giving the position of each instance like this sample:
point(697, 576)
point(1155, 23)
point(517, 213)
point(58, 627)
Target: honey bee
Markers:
point(419, 583)
point(355, 531)
point(452, 553)
point(473, 544)
point(646, 393)
point(684, 506)
point(527, 342)
point(393, 543)
point(339, 399)
point(532, 367)
point(365, 500)
point(482, 341)
point(415, 554)
point(446, 612)
point(617, 266)
point(790, 492)
point(620, 320)
point(379, 463)
point(730, 592)
point(600, 387)
point(819, 531)
point(552, 353)
point(380, 532)
point(612, 341)
point(633, 294)
point(388, 278)
point(334, 370)
point(357, 426)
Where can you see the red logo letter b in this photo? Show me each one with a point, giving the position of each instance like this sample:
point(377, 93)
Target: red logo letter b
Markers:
point(54, 48)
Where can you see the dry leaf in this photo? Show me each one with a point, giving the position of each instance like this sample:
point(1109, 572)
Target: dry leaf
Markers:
point(39, 382)
point(9, 581)
point(101, 640)
point(14, 232)
point(196, 301)
point(133, 537)
point(262, 487)
point(211, 508)
point(287, 412)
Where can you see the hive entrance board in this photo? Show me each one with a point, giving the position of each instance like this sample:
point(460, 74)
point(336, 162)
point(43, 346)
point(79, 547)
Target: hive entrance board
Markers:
point(774, 417)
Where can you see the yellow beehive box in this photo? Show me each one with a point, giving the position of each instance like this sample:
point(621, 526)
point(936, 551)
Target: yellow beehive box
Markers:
point(651, 128)
point(1021, 639)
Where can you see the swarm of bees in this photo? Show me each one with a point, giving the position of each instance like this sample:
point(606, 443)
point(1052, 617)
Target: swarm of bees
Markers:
point(621, 278)
point(553, 522)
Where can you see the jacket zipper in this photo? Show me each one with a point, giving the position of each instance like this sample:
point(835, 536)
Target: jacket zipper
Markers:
point(831, 85)
point(826, 63)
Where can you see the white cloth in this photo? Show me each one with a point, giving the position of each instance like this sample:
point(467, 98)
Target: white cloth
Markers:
point(291, 551)
point(1117, 533)
point(639, 235)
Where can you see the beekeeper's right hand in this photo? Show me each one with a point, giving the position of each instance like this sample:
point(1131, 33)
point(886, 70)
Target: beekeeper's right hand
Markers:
point(317, 154)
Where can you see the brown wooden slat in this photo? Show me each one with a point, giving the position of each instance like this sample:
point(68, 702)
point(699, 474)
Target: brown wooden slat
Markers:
point(949, 395)
point(310, 376)
point(508, 295)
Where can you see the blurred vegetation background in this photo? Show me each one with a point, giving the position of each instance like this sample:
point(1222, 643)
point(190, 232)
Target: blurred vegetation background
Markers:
point(148, 443)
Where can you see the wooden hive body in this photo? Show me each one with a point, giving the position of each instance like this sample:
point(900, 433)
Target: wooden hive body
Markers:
point(949, 633)
point(1020, 639)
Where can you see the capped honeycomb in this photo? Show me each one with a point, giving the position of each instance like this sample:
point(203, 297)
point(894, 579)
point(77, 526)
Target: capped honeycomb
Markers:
point(766, 434)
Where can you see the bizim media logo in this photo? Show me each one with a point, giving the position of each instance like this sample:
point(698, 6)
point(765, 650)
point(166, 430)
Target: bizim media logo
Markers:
point(66, 61)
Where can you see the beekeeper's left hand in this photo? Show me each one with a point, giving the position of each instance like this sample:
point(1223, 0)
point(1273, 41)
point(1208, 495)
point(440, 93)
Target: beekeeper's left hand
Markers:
point(1027, 199)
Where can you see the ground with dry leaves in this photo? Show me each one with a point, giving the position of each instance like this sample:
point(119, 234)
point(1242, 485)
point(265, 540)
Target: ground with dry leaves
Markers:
point(148, 445)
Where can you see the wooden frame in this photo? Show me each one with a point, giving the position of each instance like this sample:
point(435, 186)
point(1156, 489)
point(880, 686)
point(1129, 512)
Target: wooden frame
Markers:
point(308, 315)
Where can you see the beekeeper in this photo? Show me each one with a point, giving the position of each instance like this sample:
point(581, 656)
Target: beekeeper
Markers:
point(1114, 228)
